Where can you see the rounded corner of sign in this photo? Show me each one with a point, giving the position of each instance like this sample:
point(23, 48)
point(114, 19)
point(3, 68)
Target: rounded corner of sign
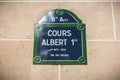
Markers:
point(82, 60)
point(80, 27)
point(37, 60)
point(36, 25)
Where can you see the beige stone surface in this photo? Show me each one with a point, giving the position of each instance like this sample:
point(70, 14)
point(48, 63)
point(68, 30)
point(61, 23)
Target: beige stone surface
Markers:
point(29, 0)
point(16, 53)
point(103, 63)
point(96, 15)
point(65, 0)
point(116, 6)
point(15, 60)
point(44, 72)
point(17, 19)
point(16, 63)
point(17, 22)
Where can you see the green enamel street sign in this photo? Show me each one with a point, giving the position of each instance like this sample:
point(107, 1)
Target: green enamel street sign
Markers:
point(59, 38)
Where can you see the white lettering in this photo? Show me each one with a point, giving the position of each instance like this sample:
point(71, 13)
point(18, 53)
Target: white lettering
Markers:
point(59, 33)
point(52, 42)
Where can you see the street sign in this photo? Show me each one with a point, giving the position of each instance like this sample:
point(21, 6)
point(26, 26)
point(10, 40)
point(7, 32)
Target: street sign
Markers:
point(59, 38)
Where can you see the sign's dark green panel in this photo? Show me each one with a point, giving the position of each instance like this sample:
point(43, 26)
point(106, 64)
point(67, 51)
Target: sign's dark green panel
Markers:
point(59, 38)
